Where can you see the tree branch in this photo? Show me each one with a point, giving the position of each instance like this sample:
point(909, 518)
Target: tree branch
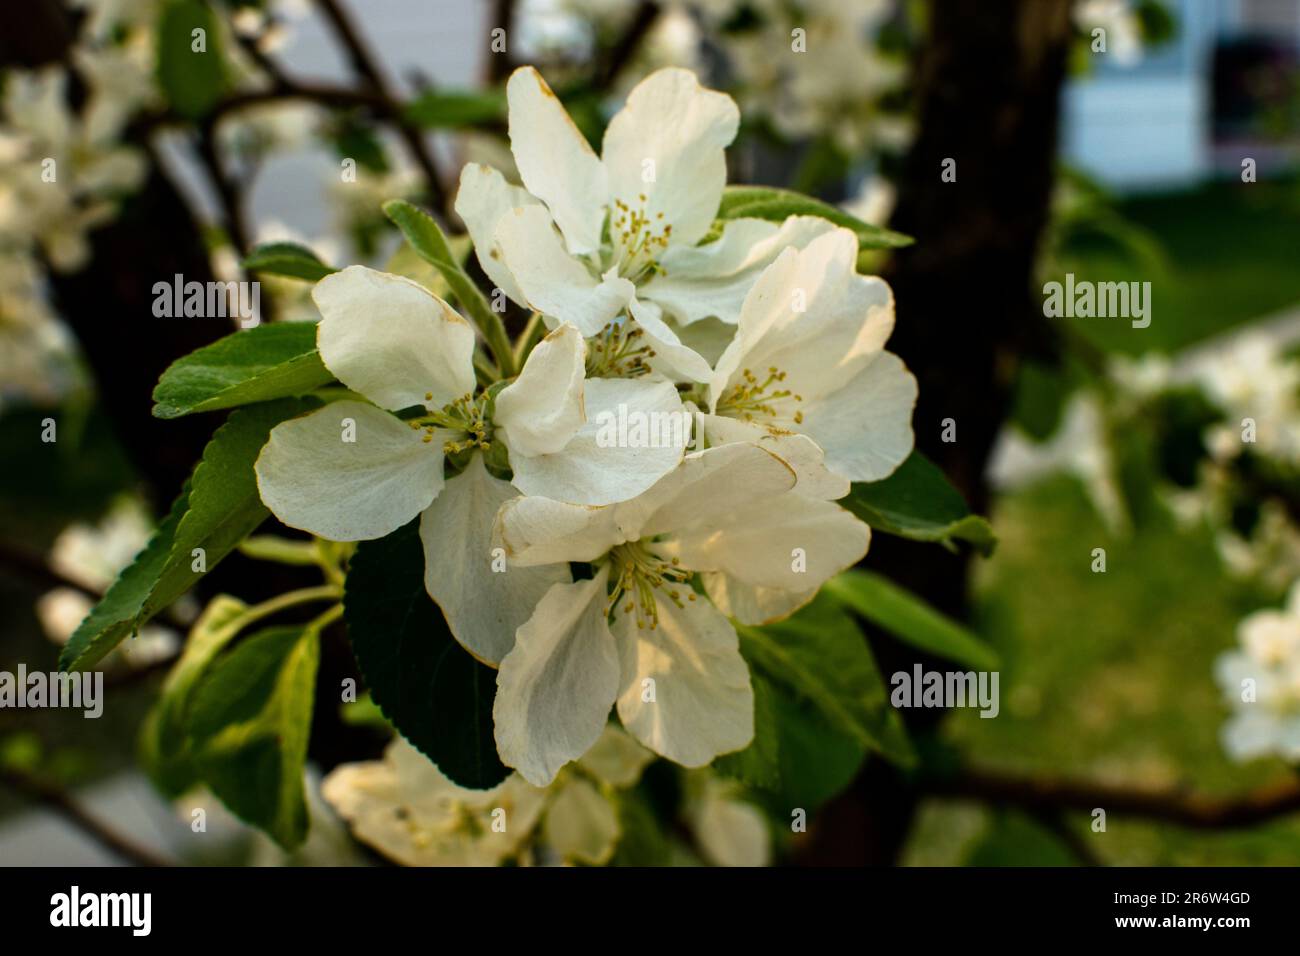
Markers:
point(364, 65)
point(499, 65)
point(55, 799)
point(616, 58)
point(1040, 796)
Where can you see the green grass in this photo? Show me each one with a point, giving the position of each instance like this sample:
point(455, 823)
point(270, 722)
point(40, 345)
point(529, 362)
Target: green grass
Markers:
point(1106, 677)
point(1232, 254)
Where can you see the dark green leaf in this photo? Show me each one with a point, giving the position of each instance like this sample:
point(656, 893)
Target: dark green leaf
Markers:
point(908, 618)
point(441, 110)
point(426, 684)
point(224, 504)
point(641, 841)
point(252, 365)
point(816, 761)
point(218, 508)
point(192, 80)
point(118, 612)
point(797, 758)
point(917, 502)
point(776, 205)
point(759, 764)
point(287, 259)
point(822, 657)
point(359, 140)
point(248, 726)
point(1041, 393)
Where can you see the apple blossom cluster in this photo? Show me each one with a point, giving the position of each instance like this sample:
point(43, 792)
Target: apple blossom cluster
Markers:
point(405, 808)
point(597, 574)
point(1261, 683)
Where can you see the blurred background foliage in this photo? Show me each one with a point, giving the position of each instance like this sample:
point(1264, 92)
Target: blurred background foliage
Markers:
point(1106, 677)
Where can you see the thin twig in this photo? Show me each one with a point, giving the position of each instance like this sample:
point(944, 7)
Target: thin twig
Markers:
point(37, 571)
point(364, 65)
point(608, 68)
point(57, 800)
point(1178, 806)
point(228, 193)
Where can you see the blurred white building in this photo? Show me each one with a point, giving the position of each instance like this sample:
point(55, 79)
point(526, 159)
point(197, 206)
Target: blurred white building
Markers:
point(1147, 124)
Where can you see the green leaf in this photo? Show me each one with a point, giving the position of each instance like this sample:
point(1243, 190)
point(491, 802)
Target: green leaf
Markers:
point(118, 612)
point(426, 684)
point(218, 508)
point(908, 618)
point(192, 80)
point(287, 259)
point(642, 841)
point(163, 741)
point(249, 724)
point(224, 504)
point(820, 655)
point(428, 240)
point(252, 365)
point(759, 764)
point(442, 110)
point(797, 758)
point(917, 502)
point(776, 205)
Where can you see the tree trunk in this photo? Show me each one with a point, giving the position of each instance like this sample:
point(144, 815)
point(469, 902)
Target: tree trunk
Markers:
point(988, 83)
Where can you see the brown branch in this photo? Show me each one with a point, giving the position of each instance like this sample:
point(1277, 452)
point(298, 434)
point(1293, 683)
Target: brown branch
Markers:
point(1039, 796)
point(364, 65)
point(500, 65)
point(608, 68)
point(228, 193)
point(55, 799)
point(38, 572)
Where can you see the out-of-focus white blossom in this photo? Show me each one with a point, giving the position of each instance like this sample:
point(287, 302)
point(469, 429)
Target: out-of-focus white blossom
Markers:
point(1079, 447)
point(1261, 683)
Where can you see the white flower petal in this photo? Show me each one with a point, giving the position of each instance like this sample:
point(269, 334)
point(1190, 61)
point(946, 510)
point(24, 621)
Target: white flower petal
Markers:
point(706, 484)
point(616, 758)
point(483, 198)
point(713, 279)
point(811, 316)
point(581, 824)
point(555, 161)
point(407, 810)
point(600, 465)
point(555, 688)
point(667, 144)
point(535, 531)
point(312, 479)
point(708, 337)
point(553, 282)
point(672, 359)
point(392, 340)
point(798, 451)
point(751, 604)
point(702, 703)
point(865, 428)
point(790, 542)
point(484, 607)
point(731, 832)
point(1250, 734)
point(542, 409)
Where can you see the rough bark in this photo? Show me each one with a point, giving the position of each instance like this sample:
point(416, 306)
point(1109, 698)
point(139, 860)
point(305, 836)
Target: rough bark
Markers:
point(988, 83)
